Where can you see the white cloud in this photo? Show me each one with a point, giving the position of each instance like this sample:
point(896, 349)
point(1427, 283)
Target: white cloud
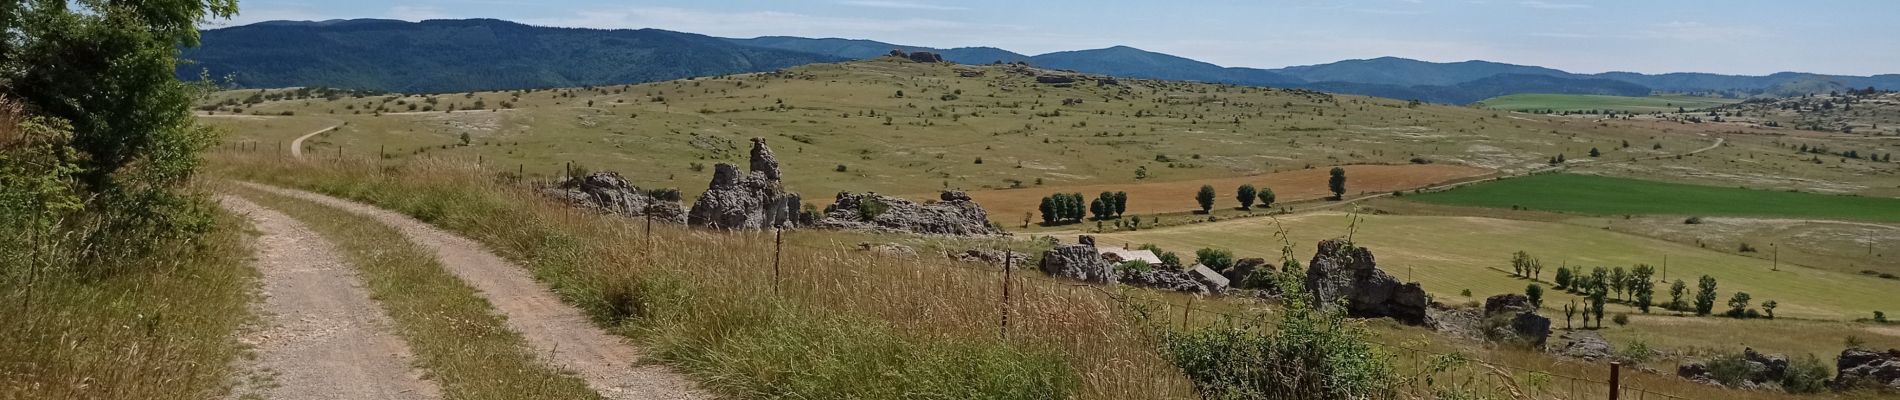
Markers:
point(905, 5)
point(1551, 6)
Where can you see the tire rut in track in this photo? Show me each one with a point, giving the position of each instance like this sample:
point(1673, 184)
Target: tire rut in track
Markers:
point(323, 337)
point(554, 329)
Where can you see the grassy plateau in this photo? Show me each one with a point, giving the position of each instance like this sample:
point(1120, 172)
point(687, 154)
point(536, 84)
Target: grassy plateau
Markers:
point(1601, 195)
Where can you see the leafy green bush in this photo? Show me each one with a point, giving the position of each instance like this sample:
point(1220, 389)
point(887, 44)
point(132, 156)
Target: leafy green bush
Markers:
point(1311, 353)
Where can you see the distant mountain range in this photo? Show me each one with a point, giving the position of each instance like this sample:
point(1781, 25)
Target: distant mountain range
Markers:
point(486, 54)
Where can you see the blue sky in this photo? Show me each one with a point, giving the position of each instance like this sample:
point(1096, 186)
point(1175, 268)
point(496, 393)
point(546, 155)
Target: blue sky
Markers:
point(1736, 37)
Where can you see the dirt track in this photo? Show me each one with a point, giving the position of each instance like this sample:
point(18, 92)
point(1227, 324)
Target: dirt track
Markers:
point(554, 329)
point(324, 338)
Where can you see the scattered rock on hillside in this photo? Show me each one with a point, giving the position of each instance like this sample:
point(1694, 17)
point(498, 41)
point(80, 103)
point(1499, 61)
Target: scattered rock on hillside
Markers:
point(1340, 271)
point(889, 249)
point(1164, 279)
point(1867, 369)
point(955, 215)
point(756, 200)
point(1582, 345)
point(926, 57)
point(1054, 79)
point(1765, 371)
point(608, 192)
point(1079, 262)
point(997, 258)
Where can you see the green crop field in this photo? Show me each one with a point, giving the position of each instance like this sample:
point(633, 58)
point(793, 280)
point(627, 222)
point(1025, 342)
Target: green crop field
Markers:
point(1600, 195)
point(1448, 255)
point(1586, 102)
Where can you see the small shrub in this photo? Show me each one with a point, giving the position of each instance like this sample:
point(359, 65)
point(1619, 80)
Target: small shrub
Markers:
point(1693, 220)
point(1466, 293)
point(1805, 375)
point(871, 208)
point(1729, 369)
point(1621, 319)
point(1637, 352)
point(841, 168)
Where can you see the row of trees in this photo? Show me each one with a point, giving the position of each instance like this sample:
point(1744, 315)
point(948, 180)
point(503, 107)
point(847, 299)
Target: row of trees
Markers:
point(1062, 208)
point(1634, 286)
point(1246, 195)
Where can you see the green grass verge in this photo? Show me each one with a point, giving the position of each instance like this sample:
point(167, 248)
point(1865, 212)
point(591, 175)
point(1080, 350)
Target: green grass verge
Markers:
point(1599, 195)
point(461, 341)
point(1588, 102)
point(161, 327)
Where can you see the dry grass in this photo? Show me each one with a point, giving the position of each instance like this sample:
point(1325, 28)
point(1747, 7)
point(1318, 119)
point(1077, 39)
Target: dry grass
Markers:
point(460, 340)
point(1150, 197)
point(159, 328)
point(844, 324)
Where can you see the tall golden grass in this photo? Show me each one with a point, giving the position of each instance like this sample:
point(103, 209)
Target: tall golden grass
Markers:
point(835, 322)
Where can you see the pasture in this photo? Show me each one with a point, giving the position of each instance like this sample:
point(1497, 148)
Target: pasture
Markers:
point(1451, 254)
point(1146, 198)
point(1602, 195)
point(1590, 102)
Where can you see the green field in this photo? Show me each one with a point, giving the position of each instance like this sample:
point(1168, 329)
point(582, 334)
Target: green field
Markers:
point(1599, 195)
point(1448, 255)
point(1587, 102)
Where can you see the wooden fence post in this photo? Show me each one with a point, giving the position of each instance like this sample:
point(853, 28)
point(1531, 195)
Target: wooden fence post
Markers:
point(1616, 383)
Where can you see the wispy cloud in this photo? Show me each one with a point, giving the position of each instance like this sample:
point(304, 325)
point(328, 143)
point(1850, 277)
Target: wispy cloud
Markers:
point(1552, 6)
point(904, 5)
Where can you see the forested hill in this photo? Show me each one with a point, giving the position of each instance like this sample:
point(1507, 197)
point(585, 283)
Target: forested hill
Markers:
point(465, 55)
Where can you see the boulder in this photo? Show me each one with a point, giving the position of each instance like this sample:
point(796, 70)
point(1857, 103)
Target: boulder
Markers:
point(1054, 79)
point(1079, 262)
point(1163, 279)
point(1504, 303)
point(608, 192)
point(1695, 370)
point(755, 200)
point(1583, 345)
point(926, 57)
point(889, 249)
point(955, 215)
point(1867, 369)
point(1345, 275)
point(1242, 269)
point(1773, 366)
point(1530, 328)
point(998, 258)
point(1214, 282)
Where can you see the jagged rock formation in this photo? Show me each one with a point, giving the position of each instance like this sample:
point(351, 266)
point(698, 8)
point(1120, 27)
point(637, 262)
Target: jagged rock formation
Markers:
point(608, 192)
point(1344, 274)
point(1867, 369)
point(1079, 262)
point(921, 56)
point(756, 200)
point(955, 215)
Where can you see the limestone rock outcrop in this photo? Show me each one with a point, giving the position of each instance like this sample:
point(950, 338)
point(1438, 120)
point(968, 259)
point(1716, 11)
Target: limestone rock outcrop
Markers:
point(609, 193)
point(954, 215)
point(1079, 262)
point(1867, 369)
point(754, 200)
point(1343, 274)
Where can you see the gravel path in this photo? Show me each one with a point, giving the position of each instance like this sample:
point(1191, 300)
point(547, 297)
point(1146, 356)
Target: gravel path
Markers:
point(296, 146)
point(324, 338)
point(554, 329)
